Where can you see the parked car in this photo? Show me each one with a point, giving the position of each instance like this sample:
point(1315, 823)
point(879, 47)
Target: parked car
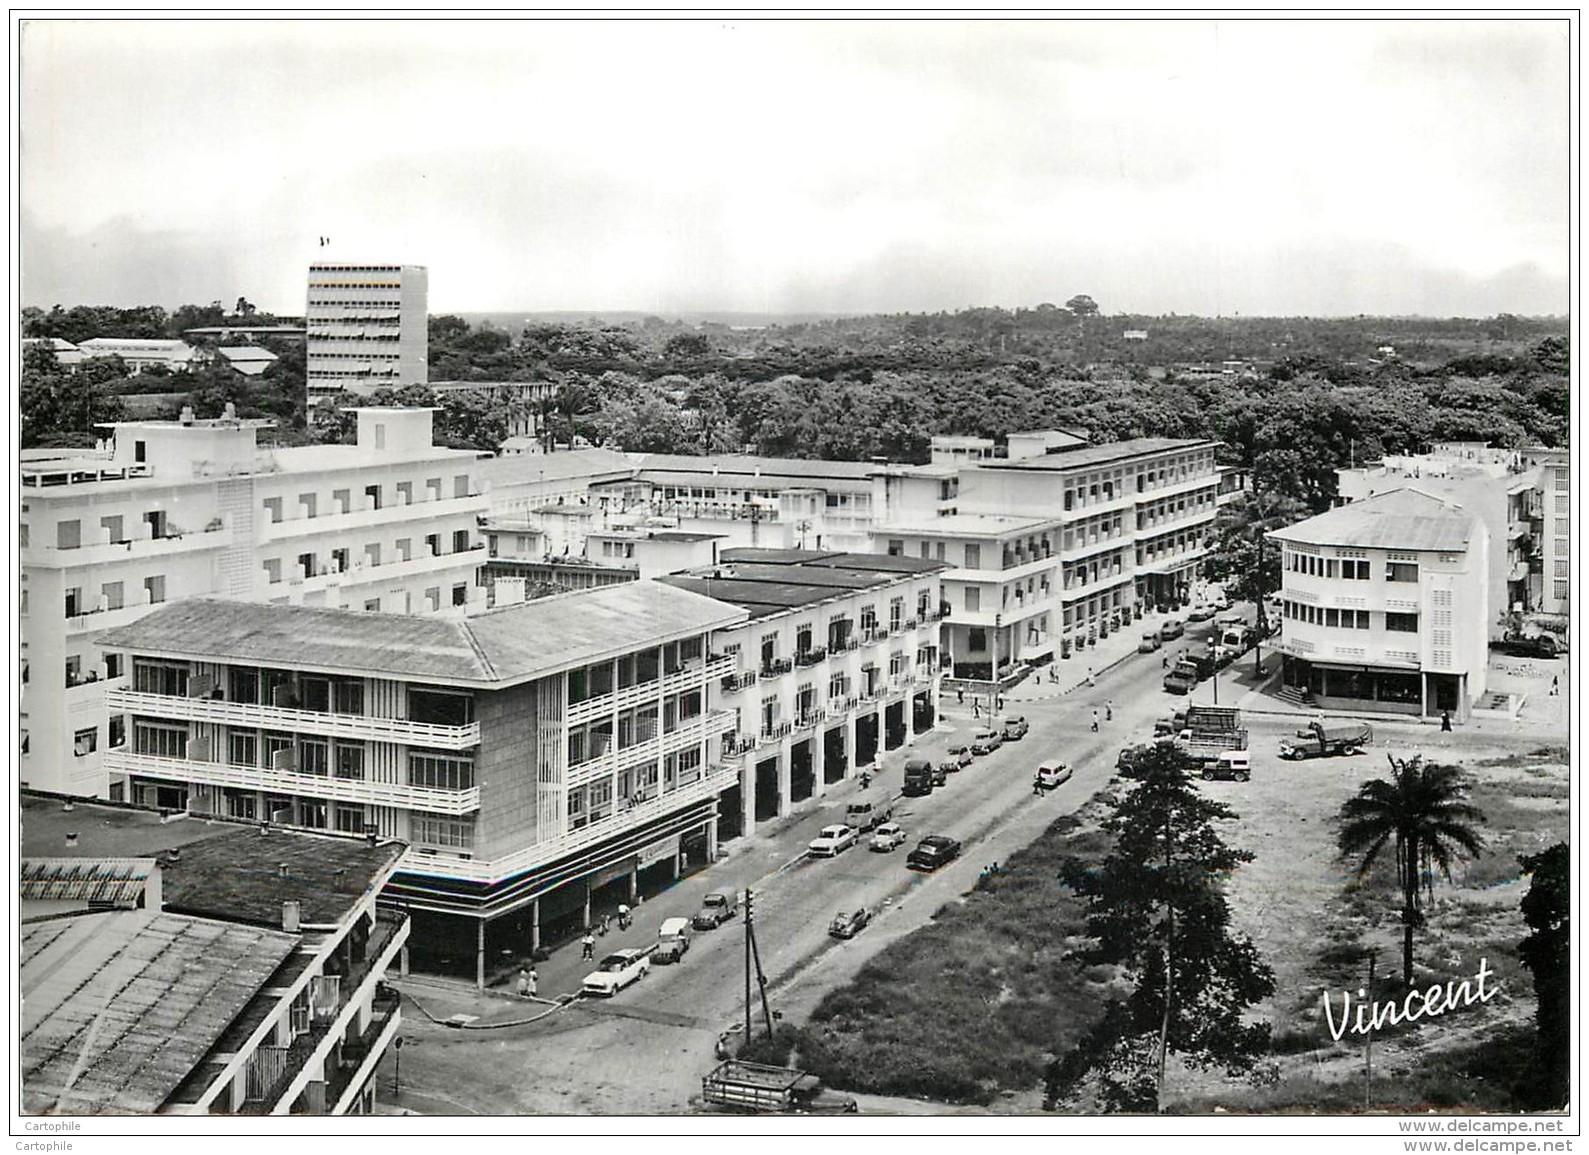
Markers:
point(1015, 728)
point(961, 748)
point(716, 909)
point(932, 852)
point(848, 923)
point(673, 939)
point(886, 837)
point(1200, 614)
point(939, 775)
point(1174, 628)
point(986, 742)
point(1235, 765)
point(1150, 642)
point(831, 841)
point(1222, 603)
point(1131, 759)
point(953, 762)
point(617, 971)
point(868, 815)
point(1052, 774)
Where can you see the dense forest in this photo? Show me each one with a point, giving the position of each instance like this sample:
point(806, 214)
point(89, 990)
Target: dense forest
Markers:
point(1294, 398)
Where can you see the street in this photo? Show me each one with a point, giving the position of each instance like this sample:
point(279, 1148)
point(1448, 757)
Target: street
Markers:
point(645, 1050)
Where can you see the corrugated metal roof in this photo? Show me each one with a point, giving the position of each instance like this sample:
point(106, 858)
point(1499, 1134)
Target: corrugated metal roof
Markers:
point(118, 1008)
point(97, 881)
point(501, 647)
point(1402, 519)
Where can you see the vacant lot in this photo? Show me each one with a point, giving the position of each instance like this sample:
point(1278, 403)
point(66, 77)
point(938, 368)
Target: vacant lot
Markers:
point(973, 1006)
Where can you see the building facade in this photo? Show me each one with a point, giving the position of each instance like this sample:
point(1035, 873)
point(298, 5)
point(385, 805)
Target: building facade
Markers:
point(837, 662)
point(529, 756)
point(1384, 602)
point(250, 982)
point(169, 510)
point(367, 328)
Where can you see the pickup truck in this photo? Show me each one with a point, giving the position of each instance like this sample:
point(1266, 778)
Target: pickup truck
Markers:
point(1182, 679)
point(755, 1087)
point(716, 909)
point(1325, 739)
point(617, 971)
point(1205, 747)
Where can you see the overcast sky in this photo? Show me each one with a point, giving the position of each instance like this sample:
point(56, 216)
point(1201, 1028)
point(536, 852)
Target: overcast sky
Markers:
point(1226, 167)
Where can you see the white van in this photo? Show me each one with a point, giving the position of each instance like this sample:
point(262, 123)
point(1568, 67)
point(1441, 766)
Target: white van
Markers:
point(672, 940)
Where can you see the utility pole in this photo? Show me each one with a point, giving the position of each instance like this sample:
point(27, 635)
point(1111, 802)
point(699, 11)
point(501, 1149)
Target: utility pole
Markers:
point(747, 964)
point(1263, 620)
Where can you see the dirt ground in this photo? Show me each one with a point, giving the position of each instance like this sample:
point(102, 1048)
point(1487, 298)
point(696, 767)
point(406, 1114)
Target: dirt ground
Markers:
point(1312, 921)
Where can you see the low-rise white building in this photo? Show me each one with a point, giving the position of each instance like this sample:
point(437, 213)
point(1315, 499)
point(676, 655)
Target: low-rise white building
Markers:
point(1384, 605)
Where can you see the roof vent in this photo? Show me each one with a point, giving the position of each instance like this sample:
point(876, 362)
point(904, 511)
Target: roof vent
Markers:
point(67, 807)
point(71, 838)
point(281, 869)
point(291, 914)
point(187, 415)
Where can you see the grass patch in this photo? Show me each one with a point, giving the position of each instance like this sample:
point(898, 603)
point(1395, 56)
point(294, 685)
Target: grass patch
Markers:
point(977, 1002)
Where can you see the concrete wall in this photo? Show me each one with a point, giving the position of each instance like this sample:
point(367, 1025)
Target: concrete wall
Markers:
point(505, 769)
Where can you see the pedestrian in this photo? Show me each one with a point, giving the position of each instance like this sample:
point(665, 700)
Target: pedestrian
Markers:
point(1001, 701)
point(1037, 786)
point(960, 695)
point(1445, 721)
point(524, 982)
point(1089, 675)
point(623, 916)
point(1109, 710)
point(588, 945)
point(976, 708)
point(534, 982)
point(1164, 661)
point(606, 924)
point(1555, 684)
point(1095, 721)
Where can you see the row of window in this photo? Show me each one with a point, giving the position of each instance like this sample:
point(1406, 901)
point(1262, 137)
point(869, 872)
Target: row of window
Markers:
point(69, 531)
point(374, 494)
point(1331, 617)
point(642, 666)
point(113, 596)
point(1351, 569)
point(340, 560)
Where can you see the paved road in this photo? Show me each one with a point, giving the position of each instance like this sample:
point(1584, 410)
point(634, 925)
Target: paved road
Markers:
point(645, 1050)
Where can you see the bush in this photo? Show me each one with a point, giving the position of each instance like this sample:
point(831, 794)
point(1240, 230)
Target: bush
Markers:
point(774, 1050)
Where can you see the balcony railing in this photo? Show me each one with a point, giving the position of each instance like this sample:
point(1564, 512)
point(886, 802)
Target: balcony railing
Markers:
point(811, 657)
point(261, 717)
point(691, 674)
point(42, 477)
point(777, 730)
point(358, 790)
point(360, 519)
point(691, 731)
point(776, 666)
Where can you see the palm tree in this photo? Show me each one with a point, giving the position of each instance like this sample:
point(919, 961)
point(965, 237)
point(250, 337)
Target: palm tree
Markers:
point(1423, 809)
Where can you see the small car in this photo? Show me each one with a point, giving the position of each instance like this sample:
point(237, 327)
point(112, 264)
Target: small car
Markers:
point(1052, 774)
point(1015, 728)
point(932, 852)
point(1174, 628)
point(831, 841)
point(716, 909)
point(847, 923)
point(1200, 614)
point(1223, 603)
point(955, 762)
point(1150, 642)
point(961, 748)
point(617, 971)
point(939, 775)
point(886, 837)
point(986, 742)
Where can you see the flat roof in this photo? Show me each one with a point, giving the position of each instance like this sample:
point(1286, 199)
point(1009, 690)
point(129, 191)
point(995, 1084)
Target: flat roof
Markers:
point(768, 582)
point(118, 1008)
point(740, 467)
point(209, 867)
point(500, 647)
point(537, 468)
point(968, 525)
point(1085, 455)
point(1399, 519)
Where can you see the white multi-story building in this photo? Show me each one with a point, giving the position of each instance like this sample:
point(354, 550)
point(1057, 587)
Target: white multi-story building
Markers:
point(367, 328)
point(1001, 590)
point(168, 510)
point(140, 353)
point(529, 756)
point(837, 662)
point(243, 969)
point(1384, 605)
point(1058, 542)
point(1520, 495)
